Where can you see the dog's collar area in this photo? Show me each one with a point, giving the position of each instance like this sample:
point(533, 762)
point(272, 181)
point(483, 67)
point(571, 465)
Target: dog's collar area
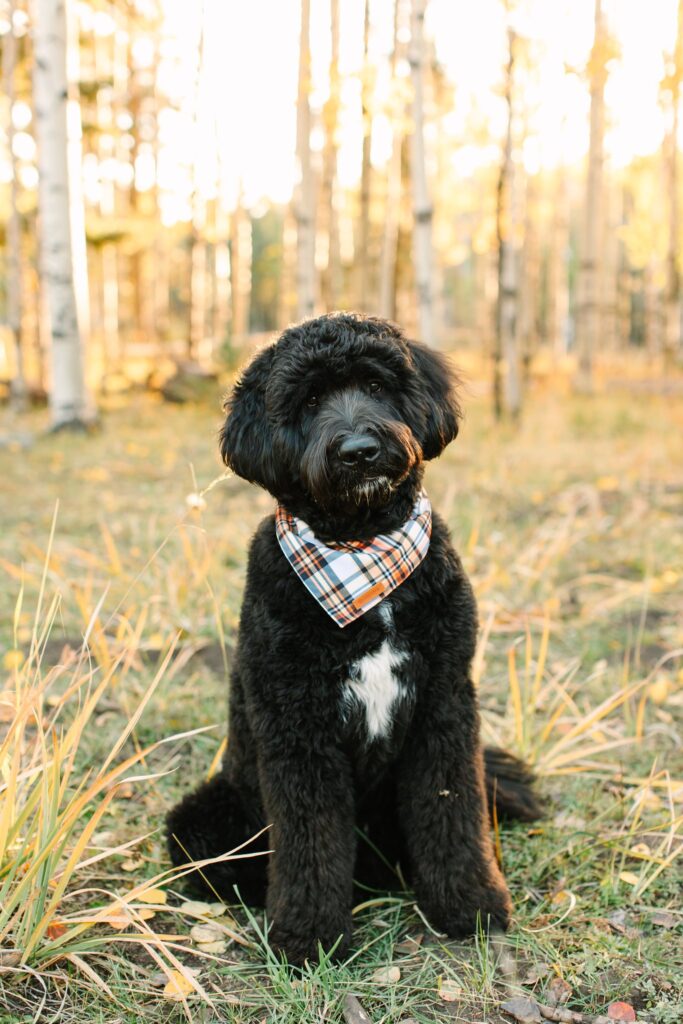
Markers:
point(350, 578)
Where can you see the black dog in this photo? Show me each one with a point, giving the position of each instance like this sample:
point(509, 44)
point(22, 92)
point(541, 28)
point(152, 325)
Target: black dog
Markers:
point(365, 738)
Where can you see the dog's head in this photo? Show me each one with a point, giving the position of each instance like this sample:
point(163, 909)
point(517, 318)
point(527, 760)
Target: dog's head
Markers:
point(340, 411)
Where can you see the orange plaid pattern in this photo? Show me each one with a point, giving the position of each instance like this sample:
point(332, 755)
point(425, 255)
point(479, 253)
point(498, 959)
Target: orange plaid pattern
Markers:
point(349, 579)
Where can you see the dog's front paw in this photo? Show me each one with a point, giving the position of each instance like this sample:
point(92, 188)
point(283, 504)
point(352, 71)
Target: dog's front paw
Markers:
point(490, 909)
point(298, 947)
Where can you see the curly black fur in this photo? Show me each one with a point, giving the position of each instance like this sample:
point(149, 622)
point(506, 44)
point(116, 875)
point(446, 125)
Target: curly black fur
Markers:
point(301, 754)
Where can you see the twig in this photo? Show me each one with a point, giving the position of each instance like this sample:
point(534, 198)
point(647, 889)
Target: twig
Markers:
point(528, 1009)
point(558, 1013)
point(353, 1012)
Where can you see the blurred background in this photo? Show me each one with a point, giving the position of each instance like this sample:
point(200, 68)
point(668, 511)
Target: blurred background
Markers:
point(501, 178)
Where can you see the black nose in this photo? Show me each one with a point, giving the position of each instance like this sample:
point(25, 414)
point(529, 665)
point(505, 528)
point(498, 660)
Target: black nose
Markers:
point(357, 449)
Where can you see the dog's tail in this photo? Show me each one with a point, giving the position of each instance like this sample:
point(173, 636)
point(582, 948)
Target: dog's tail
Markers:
point(510, 786)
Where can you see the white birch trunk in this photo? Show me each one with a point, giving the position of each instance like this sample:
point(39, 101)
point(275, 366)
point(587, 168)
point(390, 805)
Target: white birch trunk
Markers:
point(387, 264)
point(589, 311)
point(240, 272)
point(422, 205)
point(363, 260)
point(304, 199)
point(506, 368)
point(558, 274)
point(673, 310)
point(198, 262)
point(13, 229)
point(530, 279)
point(331, 275)
point(68, 399)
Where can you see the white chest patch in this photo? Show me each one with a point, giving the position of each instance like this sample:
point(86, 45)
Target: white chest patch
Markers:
point(375, 685)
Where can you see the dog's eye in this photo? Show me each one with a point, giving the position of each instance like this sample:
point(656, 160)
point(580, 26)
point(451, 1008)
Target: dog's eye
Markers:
point(312, 401)
point(375, 386)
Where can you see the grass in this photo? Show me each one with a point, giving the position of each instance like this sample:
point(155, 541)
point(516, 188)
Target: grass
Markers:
point(122, 570)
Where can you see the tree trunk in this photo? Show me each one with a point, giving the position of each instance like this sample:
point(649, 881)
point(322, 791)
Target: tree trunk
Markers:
point(422, 206)
point(588, 325)
point(68, 399)
point(304, 199)
point(558, 269)
point(330, 278)
point(507, 395)
point(530, 289)
point(673, 271)
point(13, 229)
point(221, 271)
point(387, 265)
point(196, 312)
point(287, 299)
point(363, 260)
point(240, 272)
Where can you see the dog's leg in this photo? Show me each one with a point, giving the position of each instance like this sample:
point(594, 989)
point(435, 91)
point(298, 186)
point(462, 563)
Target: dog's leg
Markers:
point(443, 812)
point(210, 821)
point(309, 799)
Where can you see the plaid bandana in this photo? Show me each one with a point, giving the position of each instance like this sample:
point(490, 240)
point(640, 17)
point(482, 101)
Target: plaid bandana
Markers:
point(350, 578)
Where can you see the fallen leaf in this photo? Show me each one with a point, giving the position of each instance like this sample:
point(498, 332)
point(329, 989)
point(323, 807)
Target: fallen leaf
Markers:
point(650, 799)
point(179, 986)
point(621, 1011)
point(197, 908)
point(640, 850)
point(523, 1009)
point(449, 990)
point(410, 944)
point(629, 877)
point(387, 975)
point(658, 691)
point(217, 909)
point(663, 919)
point(620, 922)
point(535, 973)
point(219, 946)
point(559, 992)
point(561, 897)
point(9, 957)
point(13, 659)
point(132, 864)
point(118, 920)
point(207, 933)
point(123, 790)
point(152, 896)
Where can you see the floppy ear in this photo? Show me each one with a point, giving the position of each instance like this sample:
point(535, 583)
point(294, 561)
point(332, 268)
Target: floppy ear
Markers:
point(443, 411)
point(246, 442)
